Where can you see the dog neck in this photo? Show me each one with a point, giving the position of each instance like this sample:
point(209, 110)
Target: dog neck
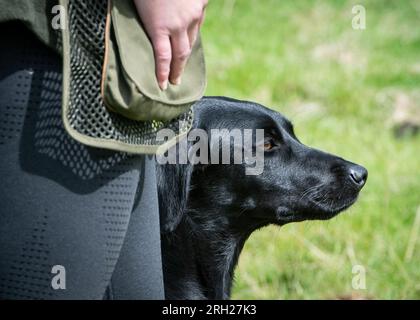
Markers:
point(218, 247)
point(211, 244)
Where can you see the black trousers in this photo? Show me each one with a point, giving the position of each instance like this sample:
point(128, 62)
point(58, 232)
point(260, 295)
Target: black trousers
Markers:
point(75, 222)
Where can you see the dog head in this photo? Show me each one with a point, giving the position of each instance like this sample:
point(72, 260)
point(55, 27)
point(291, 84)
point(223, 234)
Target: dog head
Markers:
point(297, 182)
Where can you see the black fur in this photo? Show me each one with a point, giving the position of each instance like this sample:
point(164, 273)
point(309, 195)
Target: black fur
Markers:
point(208, 211)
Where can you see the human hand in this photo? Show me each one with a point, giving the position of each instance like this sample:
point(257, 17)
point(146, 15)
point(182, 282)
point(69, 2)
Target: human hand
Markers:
point(172, 26)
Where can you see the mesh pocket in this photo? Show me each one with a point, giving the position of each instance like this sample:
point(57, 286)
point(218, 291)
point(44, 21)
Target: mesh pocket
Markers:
point(85, 115)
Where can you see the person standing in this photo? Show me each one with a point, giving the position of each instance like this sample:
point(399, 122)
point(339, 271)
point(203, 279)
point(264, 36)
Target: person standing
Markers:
point(76, 222)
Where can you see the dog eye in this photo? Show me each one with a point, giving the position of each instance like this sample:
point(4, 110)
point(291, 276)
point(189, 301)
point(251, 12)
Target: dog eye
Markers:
point(268, 145)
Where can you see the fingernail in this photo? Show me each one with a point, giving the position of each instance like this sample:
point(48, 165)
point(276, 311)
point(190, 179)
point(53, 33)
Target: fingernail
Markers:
point(164, 85)
point(177, 81)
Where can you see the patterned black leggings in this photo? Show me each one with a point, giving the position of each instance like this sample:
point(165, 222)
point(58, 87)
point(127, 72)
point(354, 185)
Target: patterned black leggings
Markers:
point(75, 222)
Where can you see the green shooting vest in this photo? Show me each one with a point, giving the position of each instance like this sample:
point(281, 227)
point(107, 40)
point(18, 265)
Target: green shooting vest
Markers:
point(111, 98)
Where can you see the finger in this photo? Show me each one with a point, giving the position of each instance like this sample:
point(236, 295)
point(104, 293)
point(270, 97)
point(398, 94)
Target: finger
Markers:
point(163, 55)
point(180, 53)
point(193, 33)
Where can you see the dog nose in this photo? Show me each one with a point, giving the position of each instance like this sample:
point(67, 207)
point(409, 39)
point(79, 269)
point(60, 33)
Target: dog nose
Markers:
point(358, 175)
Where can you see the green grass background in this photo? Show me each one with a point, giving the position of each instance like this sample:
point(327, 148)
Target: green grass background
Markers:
point(338, 86)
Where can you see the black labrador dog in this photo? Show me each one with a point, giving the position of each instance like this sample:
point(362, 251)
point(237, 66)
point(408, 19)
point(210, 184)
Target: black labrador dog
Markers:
point(208, 211)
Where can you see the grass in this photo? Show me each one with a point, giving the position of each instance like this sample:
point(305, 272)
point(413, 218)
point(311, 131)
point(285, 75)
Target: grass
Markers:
point(338, 85)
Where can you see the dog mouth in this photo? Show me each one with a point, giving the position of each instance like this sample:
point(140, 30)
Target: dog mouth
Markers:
point(326, 210)
point(316, 209)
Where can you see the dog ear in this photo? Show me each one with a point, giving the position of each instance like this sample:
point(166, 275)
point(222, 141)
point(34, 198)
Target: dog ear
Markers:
point(173, 188)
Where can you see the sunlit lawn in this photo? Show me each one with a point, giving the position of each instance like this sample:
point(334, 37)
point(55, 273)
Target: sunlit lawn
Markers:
point(339, 87)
